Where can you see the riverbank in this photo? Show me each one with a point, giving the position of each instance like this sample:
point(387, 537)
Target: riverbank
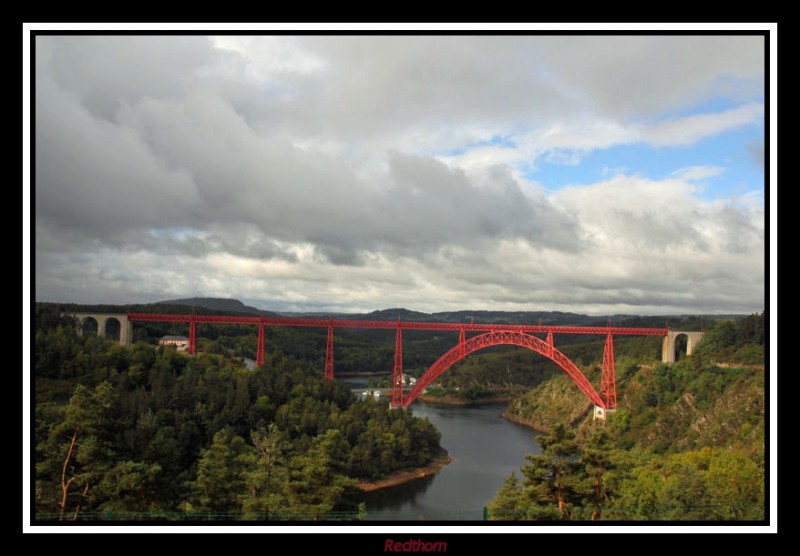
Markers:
point(531, 424)
point(403, 476)
point(524, 422)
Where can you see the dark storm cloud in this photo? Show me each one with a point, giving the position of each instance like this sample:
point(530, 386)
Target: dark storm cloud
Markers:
point(108, 72)
point(429, 205)
point(196, 163)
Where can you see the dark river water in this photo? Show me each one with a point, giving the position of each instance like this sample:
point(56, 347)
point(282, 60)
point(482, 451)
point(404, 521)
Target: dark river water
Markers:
point(486, 448)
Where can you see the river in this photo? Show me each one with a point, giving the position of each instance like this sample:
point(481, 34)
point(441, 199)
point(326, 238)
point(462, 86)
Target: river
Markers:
point(486, 448)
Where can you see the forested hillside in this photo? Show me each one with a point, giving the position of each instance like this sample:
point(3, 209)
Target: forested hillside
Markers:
point(150, 433)
point(688, 440)
point(143, 432)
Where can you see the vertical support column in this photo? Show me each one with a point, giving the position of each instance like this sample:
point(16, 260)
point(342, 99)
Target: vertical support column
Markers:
point(192, 349)
point(397, 379)
point(462, 342)
point(608, 380)
point(260, 356)
point(668, 349)
point(125, 332)
point(550, 344)
point(101, 327)
point(329, 354)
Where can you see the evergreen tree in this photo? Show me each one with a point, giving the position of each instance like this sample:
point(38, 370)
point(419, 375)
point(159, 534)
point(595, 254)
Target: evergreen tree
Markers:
point(565, 483)
point(74, 457)
point(509, 503)
point(266, 481)
point(219, 487)
point(553, 478)
point(596, 466)
point(314, 488)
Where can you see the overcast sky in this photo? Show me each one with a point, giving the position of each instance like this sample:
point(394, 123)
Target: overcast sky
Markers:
point(594, 174)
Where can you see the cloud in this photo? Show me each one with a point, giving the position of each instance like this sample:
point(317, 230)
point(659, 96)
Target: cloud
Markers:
point(365, 172)
point(430, 82)
point(264, 56)
point(196, 164)
point(647, 246)
point(697, 173)
point(690, 130)
point(104, 72)
point(569, 141)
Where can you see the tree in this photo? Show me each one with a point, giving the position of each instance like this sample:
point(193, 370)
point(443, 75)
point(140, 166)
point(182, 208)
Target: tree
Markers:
point(707, 484)
point(597, 464)
point(736, 484)
point(509, 503)
point(78, 451)
point(266, 481)
point(129, 487)
point(219, 486)
point(554, 476)
point(565, 483)
point(314, 488)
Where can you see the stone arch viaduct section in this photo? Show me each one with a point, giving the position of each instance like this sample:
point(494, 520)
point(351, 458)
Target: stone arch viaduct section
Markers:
point(125, 326)
point(668, 347)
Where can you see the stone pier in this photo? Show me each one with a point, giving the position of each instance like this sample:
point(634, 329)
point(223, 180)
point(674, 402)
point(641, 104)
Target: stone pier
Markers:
point(668, 347)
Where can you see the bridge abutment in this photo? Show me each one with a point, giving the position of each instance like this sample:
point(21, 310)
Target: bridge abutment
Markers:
point(600, 413)
point(668, 346)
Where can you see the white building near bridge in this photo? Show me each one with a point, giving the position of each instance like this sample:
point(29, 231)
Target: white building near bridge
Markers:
point(180, 343)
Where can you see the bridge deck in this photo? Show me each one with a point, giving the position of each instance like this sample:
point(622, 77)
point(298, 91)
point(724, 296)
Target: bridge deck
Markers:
point(393, 325)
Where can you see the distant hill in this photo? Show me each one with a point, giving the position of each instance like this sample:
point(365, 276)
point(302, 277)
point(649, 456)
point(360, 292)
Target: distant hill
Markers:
point(553, 318)
point(398, 313)
point(216, 304)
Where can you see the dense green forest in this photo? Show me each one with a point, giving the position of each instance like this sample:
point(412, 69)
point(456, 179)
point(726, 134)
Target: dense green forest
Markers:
point(687, 443)
point(143, 432)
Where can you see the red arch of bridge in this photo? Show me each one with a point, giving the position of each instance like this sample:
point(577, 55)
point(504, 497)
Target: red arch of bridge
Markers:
point(505, 338)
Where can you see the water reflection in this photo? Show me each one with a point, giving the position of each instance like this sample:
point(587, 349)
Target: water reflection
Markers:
point(396, 502)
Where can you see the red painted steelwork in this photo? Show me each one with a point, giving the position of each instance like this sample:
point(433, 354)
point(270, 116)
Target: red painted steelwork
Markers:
point(260, 355)
point(493, 334)
point(406, 325)
point(516, 338)
point(329, 355)
point(192, 348)
point(608, 380)
point(397, 378)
